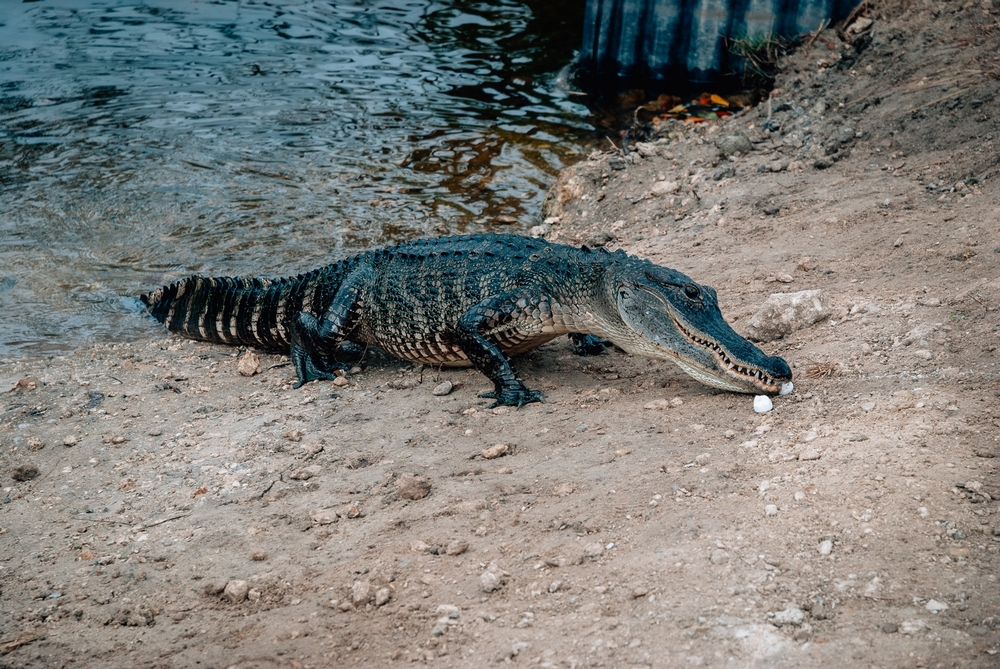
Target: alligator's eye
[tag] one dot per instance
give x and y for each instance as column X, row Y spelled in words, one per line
column 692, row 291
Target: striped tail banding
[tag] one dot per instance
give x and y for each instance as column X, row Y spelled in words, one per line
column 224, row 310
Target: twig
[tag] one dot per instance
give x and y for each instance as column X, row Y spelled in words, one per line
column 154, row 523
column 815, row 36
column 615, row 146
column 940, row 99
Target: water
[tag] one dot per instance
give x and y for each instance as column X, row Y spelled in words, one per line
column 143, row 141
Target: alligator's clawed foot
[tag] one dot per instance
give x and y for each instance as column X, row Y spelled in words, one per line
column 513, row 396
column 314, row 368
column 587, row 344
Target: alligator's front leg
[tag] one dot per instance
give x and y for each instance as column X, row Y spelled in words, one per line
column 315, row 341
column 487, row 357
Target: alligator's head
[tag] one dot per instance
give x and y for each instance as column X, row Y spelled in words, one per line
column 672, row 317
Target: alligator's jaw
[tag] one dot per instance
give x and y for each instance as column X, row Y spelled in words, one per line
column 737, row 377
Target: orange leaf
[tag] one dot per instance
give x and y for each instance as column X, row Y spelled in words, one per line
column 199, row 491
column 677, row 110
column 719, row 100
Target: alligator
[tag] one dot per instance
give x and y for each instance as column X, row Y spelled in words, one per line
column 473, row 300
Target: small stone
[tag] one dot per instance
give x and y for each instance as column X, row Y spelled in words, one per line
column 732, row 143
column 258, row 555
column 762, row 404
column 456, row 548
column 293, row 435
column 799, row 495
column 792, row 615
column 312, row 448
column 719, row 556
column 593, row 550
column 784, row 278
column 248, row 364
column 24, row 472
column 495, row 451
column 665, row 188
column 340, row 381
column 786, row 388
column 382, row 596
column 770, row 510
column 345, row 606
column 924, row 512
column 825, row 547
column 657, row 404
column 809, row 454
column 418, row 546
column 214, row 588
column 489, row 581
column 361, row 592
column 860, row 25
column 443, row 388
column 923, row 354
column 555, row 586
column 702, row 459
column 890, row 628
column 35, row 444
column 413, row 487
column 676, row 402
column 935, row 606
column 912, row 626
column 324, row 516
column 69, row 441
column 639, row 592
column 537, row 231
column 898, row 242
column 724, row 171
column 254, row 595
column 236, row 591
column 306, row 473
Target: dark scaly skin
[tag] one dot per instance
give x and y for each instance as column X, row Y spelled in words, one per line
column 473, row 299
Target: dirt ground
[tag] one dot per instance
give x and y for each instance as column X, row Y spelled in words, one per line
column 184, row 515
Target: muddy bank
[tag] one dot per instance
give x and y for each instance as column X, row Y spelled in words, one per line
column 182, row 513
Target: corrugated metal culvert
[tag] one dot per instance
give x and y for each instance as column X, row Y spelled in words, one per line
column 681, row 44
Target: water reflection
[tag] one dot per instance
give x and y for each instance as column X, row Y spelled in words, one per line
column 140, row 141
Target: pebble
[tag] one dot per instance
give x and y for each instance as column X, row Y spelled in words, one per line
column 676, row 402
column 341, row 381
column 786, row 388
column 323, row 516
column 258, row 555
column 792, row 615
column 809, row 454
column 236, row 591
column 934, row 606
column 361, row 592
column 732, row 143
column 770, row 510
column 657, row 404
column 418, row 546
column 413, row 487
column 248, row 364
column 665, row 187
column 825, row 547
column 457, row 547
column 639, row 592
column 890, row 628
column 554, row 586
column 924, row 512
column 703, row 459
column 443, row 388
column 69, row 441
column 762, row 404
column 495, row 451
column 382, row 596
column 488, row 581
column 719, row 556
column 307, row 473
column 912, row 626
column 594, row 549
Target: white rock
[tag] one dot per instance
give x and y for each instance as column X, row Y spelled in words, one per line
column 912, row 626
column 762, row 404
column 934, row 606
column 489, row 581
column 825, row 547
column 784, row 313
column 809, row 454
column 924, row 512
column 442, row 388
column 786, row 388
column 236, row 591
column 792, row 615
column 382, row 596
column 770, row 510
column 360, row 592
column 665, row 187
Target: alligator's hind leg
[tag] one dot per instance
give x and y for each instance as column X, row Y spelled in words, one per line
column 588, row 344
column 315, row 341
column 487, row 357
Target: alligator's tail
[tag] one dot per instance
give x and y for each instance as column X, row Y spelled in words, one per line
column 225, row 310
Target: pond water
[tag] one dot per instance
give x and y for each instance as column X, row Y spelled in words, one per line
column 144, row 141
